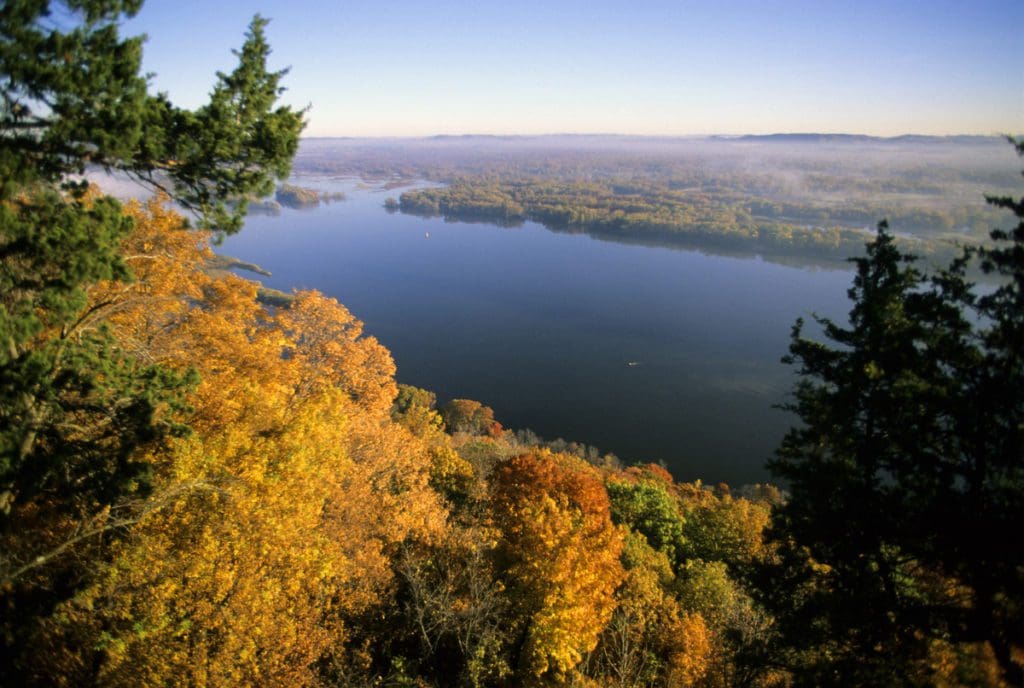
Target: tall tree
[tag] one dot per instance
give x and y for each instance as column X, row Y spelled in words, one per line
column 73, row 95
column 559, row 557
column 907, row 474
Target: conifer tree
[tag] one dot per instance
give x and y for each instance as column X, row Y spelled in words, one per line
column 73, row 98
column 906, row 475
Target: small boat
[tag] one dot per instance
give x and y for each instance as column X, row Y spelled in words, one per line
column 633, row 364
column 426, row 235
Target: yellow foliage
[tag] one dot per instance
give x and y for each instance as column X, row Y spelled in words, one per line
column 562, row 554
column 952, row 665
column 328, row 339
column 650, row 639
column 272, row 523
column 167, row 261
column 450, row 474
column 691, row 653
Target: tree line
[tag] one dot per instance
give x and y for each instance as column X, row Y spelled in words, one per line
column 697, row 215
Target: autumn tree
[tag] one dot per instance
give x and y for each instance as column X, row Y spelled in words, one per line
column 270, row 531
column 650, row 640
column 646, row 505
column 416, row 408
column 721, row 527
column 329, row 339
column 708, row 539
column 71, row 98
column 470, row 416
column 455, row 607
column 559, row 559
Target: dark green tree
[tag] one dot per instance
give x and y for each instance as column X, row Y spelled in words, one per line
column 906, row 473
column 647, row 508
column 73, row 405
column 73, row 97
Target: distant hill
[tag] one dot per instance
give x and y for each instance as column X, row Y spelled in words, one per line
column 860, row 138
column 796, row 137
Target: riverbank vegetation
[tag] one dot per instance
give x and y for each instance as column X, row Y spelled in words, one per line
column 815, row 197
column 717, row 218
column 309, row 521
column 300, row 197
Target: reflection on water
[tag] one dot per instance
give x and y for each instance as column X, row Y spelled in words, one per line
column 676, row 243
column 543, row 326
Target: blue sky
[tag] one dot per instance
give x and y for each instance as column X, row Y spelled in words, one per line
column 374, row 68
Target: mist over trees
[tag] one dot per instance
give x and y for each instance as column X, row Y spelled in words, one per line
column 812, row 196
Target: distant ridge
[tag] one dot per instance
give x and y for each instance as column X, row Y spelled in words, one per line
column 462, row 137
column 797, row 137
column 859, row 138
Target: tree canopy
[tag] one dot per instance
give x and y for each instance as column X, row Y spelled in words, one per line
column 73, row 98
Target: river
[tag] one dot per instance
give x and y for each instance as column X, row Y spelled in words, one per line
column 653, row 353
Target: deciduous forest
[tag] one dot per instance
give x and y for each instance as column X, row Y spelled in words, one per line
column 200, row 487
column 802, row 197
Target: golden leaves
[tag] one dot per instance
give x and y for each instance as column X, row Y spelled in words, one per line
column 278, row 513
column 327, row 339
column 307, row 510
column 562, row 556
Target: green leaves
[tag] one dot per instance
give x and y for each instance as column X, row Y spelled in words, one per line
column 74, row 404
column 235, row 146
column 75, row 98
column 78, row 409
column 647, row 508
column 72, row 97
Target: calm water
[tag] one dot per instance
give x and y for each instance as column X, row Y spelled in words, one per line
column 542, row 326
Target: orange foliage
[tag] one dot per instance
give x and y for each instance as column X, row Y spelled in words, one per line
column 470, row 416
column 328, row 339
column 691, row 650
column 168, row 262
column 650, row 471
column 966, row 664
column 561, row 555
column 650, row 639
column 276, row 525
column 272, row 523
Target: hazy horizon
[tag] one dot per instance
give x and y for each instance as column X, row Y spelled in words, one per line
column 615, row 134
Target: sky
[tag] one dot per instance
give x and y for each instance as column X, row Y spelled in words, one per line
column 665, row 67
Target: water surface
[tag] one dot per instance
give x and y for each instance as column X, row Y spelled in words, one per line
column 652, row 353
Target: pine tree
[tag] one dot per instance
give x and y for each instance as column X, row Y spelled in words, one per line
column 906, row 474
column 74, row 98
